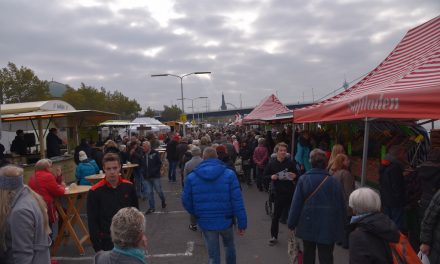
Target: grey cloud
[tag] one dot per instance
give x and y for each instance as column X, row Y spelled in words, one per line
column 320, row 42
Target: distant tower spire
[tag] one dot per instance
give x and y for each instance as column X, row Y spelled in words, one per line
column 223, row 107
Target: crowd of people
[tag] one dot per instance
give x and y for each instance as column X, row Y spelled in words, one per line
column 313, row 193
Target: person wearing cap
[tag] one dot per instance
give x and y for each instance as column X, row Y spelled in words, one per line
column 24, row 225
column 86, row 167
column 189, row 167
column 53, row 143
column 128, row 235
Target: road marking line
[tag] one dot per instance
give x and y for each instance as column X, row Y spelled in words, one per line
column 187, row 253
column 169, row 212
column 155, row 212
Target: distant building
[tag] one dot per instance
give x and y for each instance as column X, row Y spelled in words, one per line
column 223, row 107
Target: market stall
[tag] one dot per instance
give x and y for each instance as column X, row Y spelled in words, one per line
column 405, row 86
column 268, row 108
column 141, row 125
column 36, row 118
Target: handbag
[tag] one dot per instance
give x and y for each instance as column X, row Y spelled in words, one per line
column 293, row 250
column 423, row 257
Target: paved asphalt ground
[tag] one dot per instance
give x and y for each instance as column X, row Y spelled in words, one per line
column 170, row 240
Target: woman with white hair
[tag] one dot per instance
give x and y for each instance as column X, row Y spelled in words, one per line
column 44, row 183
column 24, row 228
column 128, row 235
column 371, row 230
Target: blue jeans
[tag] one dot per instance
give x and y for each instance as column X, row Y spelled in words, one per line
column 213, row 245
column 172, row 170
column 150, row 184
column 395, row 214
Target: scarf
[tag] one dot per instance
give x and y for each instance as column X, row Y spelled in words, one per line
column 136, row 253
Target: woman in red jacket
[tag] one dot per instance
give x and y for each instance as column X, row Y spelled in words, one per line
column 44, row 183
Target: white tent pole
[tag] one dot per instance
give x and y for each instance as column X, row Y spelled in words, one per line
column 365, row 152
column 41, row 138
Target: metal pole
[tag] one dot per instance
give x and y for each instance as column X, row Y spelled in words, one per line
column 365, row 152
column 192, row 106
column 183, row 105
column 181, row 94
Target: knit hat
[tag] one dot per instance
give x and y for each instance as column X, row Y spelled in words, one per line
column 82, row 155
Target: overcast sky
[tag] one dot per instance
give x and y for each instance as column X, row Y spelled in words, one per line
column 297, row 49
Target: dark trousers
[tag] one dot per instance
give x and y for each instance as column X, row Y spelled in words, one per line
column 280, row 205
column 260, row 176
column 325, row 252
column 104, row 243
column 247, row 173
column 395, row 214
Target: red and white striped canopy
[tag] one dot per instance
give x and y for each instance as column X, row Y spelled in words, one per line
column 405, row 85
column 268, row 108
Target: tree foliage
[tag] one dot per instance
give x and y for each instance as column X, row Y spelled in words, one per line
column 88, row 97
column 171, row 113
column 149, row 112
column 18, row 85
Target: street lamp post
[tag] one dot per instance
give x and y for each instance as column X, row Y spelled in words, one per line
column 181, row 88
column 192, row 102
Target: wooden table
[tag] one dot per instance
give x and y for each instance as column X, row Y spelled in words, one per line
column 127, row 170
column 71, row 217
column 93, row 179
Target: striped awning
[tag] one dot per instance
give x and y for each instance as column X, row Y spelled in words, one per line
column 406, row 85
column 268, row 108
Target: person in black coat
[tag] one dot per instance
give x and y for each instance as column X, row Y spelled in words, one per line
column 246, row 161
column 371, row 230
column 18, row 145
column 392, row 184
column 84, row 146
column 151, row 165
column 96, row 154
column 429, row 173
column 53, row 143
column 282, row 171
column 172, row 158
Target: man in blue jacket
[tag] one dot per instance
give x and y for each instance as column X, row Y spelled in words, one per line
column 212, row 194
column 317, row 213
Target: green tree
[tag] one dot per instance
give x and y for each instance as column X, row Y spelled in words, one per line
column 119, row 103
column 88, row 97
column 149, row 112
column 19, row 85
column 171, row 113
